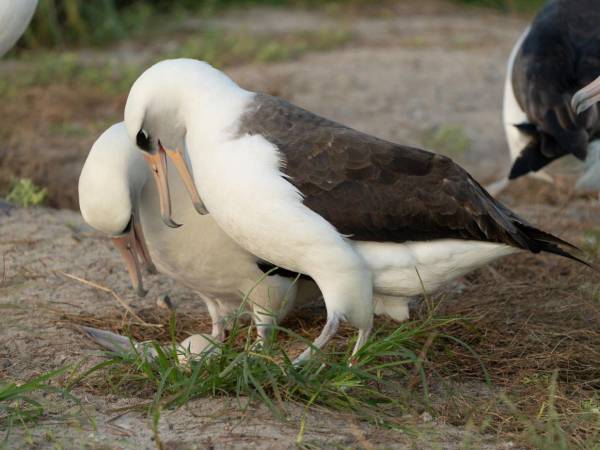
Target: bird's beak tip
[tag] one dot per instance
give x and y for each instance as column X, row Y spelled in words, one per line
column 170, row 222
column 200, row 208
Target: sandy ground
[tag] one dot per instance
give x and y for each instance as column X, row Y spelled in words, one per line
column 407, row 73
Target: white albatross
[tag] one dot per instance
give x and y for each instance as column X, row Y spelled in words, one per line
column 116, row 198
column 15, row 15
column 554, row 57
column 202, row 257
column 301, row 191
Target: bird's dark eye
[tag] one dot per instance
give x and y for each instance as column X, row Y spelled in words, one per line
column 129, row 225
column 143, row 140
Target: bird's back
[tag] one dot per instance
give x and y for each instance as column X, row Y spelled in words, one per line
column 374, row 190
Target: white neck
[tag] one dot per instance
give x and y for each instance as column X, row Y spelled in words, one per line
column 213, row 113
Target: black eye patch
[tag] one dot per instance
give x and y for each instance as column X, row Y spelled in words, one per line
column 143, row 140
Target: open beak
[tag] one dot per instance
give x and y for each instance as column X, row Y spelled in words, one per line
column 586, row 97
column 130, row 245
column 158, row 165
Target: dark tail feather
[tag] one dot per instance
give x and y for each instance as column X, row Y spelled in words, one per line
column 546, row 242
column 540, row 235
column 555, row 249
column 531, row 159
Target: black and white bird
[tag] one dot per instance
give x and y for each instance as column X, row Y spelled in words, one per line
column 117, row 197
column 555, row 56
column 15, row 15
column 301, row 191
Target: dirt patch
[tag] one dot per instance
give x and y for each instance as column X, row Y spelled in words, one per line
column 525, row 317
column 41, row 308
column 47, row 134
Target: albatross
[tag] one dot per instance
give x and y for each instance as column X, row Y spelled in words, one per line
column 116, row 198
column 15, row 15
column 302, row 192
column 555, row 56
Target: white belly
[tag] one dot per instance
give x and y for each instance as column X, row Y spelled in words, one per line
column 413, row 268
column 199, row 254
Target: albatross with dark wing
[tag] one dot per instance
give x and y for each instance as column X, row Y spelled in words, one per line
column 116, row 197
column 301, row 191
column 557, row 55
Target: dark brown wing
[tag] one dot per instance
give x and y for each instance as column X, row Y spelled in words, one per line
column 375, row 190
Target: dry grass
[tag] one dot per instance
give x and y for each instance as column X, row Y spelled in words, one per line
column 523, row 362
column 543, row 321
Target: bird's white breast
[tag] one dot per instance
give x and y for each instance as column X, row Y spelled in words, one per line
column 198, row 254
column 243, row 188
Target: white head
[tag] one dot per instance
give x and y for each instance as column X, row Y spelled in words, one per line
column 165, row 95
column 110, row 186
column 111, row 181
column 164, row 103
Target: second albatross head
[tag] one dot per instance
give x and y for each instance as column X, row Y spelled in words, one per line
column 110, row 187
column 157, row 112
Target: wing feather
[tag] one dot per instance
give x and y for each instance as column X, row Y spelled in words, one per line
column 371, row 189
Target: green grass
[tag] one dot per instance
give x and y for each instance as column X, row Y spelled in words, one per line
column 23, row 192
column 221, row 48
column 388, row 384
column 506, row 5
column 449, row 139
column 74, row 23
column 20, row 404
column 224, row 48
column 592, row 240
column 266, row 374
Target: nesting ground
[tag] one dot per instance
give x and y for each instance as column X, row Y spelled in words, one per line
column 425, row 74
